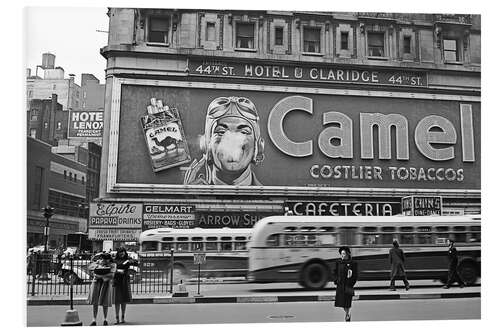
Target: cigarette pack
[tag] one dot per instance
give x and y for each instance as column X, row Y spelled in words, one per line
column 164, row 135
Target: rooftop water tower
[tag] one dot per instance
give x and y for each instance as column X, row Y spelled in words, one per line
column 48, row 60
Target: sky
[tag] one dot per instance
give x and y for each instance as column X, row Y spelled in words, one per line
column 69, row 33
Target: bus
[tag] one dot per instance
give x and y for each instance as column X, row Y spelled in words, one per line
column 225, row 249
column 303, row 249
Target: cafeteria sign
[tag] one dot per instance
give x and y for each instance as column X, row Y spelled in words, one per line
column 85, row 124
column 422, row 205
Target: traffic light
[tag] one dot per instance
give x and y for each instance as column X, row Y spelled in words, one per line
column 48, row 212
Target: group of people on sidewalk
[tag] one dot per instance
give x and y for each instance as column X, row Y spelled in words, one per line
column 111, row 285
column 345, row 273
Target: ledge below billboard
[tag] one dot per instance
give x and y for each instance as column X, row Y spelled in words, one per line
column 244, row 136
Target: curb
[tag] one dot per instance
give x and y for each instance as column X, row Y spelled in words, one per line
column 260, row 299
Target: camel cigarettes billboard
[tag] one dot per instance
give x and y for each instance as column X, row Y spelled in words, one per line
column 276, row 139
column 85, row 124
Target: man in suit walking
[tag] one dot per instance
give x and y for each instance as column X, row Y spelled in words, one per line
column 397, row 259
column 452, row 266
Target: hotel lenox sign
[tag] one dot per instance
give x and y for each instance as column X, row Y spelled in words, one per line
column 351, row 139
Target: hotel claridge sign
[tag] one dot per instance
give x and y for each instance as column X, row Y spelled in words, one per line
column 344, row 114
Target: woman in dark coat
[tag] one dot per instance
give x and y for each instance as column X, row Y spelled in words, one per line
column 345, row 276
column 121, row 283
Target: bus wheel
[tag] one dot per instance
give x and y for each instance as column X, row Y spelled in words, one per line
column 314, row 276
column 468, row 272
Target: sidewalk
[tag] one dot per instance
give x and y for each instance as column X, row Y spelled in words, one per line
column 267, row 293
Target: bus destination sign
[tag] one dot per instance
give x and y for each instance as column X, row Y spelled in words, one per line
column 327, row 74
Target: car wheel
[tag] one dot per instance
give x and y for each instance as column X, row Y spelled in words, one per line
column 314, row 276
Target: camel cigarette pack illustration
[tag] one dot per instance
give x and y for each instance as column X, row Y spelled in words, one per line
column 164, row 136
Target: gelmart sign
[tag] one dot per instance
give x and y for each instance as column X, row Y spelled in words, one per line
column 85, row 124
column 279, row 140
column 168, row 216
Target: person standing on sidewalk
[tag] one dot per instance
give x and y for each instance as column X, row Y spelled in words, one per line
column 453, row 265
column 101, row 289
column 397, row 260
column 345, row 276
column 121, row 283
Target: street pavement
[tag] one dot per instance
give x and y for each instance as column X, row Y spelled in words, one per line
column 380, row 310
column 281, row 292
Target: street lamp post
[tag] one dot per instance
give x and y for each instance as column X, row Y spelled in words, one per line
column 47, row 213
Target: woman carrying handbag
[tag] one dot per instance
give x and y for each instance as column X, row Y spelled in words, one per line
column 345, row 275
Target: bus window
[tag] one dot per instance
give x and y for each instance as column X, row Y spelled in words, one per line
column 197, row 243
column 475, row 236
column 240, row 243
column 290, row 229
column 273, row 240
column 406, row 235
column 167, row 243
column 459, row 234
column 388, row 235
column 326, row 229
column 226, row 244
column 370, row 239
column 369, row 235
column 182, row 244
column 442, row 232
column 288, row 240
column 424, row 235
column 347, row 235
column 326, row 239
column 149, row 246
column 311, row 240
column 307, row 229
column 300, row 240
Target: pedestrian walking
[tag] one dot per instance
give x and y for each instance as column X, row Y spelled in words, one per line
column 345, row 275
column 452, row 266
column 121, row 283
column 397, row 260
column 101, row 289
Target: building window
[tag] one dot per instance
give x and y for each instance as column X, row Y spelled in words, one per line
column 59, row 125
column 158, row 30
column 407, row 44
column 34, row 117
column 33, row 133
column 66, row 204
column 344, row 40
column 278, row 36
column 83, row 180
column 312, row 40
column 376, row 44
column 245, row 36
column 65, row 174
column 450, row 50
column 71, row 176
column 53, row 87
column 210, row 32
column 37, row 191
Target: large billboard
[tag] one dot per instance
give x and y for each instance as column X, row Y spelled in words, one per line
column 285, row 137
